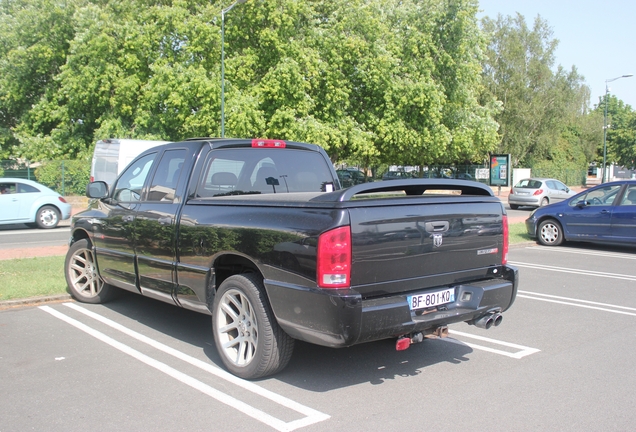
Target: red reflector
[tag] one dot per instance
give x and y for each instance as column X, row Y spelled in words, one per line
column 504, row 253
column 61, row 199
column 333, row 266
column 268, row 143
column 538, row 192
column 402, row 344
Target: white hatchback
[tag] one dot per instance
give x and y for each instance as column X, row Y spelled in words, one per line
column 538, row 192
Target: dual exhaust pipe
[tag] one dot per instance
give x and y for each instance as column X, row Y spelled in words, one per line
column 488, row 320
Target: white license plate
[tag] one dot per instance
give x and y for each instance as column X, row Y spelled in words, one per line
column 422, row 301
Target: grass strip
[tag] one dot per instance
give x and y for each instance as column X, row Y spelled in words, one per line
column 31, row 277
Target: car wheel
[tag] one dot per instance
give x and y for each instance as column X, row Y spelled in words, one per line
column 550, row 233
column 82, row 278
column 514, row 206
column 249, row 340
column 545, row 202
column 47, row 217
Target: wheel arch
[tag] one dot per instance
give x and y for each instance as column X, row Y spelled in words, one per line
column 226, row 265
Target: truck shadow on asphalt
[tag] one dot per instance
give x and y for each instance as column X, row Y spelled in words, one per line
column 312, row 367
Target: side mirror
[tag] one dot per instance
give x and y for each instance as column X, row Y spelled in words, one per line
column 98, row 190
column 582, row 204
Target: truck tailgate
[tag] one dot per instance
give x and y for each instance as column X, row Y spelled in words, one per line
column 414, row 247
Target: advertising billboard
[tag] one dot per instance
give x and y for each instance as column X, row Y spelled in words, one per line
column 500, row 170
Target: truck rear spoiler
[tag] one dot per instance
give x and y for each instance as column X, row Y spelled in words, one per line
column 409, row 187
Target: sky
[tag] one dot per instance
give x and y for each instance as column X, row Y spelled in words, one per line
column 597, row 37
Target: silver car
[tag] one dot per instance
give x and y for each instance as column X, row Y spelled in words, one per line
column 538, row 192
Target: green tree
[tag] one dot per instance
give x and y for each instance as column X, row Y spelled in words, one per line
column 621, row 132
column 544, row 110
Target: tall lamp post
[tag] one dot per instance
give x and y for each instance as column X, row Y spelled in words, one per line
column 607, row 81
column 223, row 12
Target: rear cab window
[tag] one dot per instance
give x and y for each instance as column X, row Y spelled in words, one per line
column 244, row 171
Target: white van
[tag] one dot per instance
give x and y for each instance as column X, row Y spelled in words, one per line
column 111, row 156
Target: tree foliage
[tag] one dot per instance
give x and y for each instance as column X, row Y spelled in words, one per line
column 621, row 132
column 393, row 81
column 545, row 110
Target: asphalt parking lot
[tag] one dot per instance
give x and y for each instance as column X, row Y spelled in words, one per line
column 561, row 360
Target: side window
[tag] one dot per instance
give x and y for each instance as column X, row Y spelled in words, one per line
column 552, row 185
column 7, row 188
column 130, row 183
column 25, row 188
column 560, row 186
column 600, row 197
column 630, row 196
column 164, row 183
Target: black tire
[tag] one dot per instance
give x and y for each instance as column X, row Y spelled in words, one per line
column 514, row 206
column 249, row 340
column 544, row 202
column 550, row 233
column 83, row 280
column 47, row 217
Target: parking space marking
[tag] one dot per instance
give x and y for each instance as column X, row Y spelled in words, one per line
column 574, row 271
column 577, row 302
column 523, row 350
column 582, row 252
column 311, row 416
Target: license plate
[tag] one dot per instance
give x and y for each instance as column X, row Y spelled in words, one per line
column 421, row 301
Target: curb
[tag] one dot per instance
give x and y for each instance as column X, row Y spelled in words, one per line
column 32, row 301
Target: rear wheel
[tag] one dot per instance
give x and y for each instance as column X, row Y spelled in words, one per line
column 84, row 282
column 47, row 217
column 550, row 233
column 514, row 206
column 246, row 334
column 545, row 201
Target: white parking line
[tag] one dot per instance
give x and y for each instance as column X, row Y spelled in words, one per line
column 574, row 271
column 523, row 350
column 582, row 252
column 576, row 302
column 311, row 416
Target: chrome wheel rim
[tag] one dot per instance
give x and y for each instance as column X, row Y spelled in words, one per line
column 48, row 217
column 83, row 273
column 549, row 233
column 237, row 329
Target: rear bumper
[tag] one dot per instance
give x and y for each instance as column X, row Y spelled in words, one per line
column 524, row 200
column 340, row 318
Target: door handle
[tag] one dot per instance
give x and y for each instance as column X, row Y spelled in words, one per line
column 436, row 227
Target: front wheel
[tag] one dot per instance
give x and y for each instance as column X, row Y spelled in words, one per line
column 84, row 282
column 47, row 217
column 246, row 334
column 514, row 206
column 550, row 233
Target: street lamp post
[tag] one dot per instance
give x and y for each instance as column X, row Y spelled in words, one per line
column 223, row 12
column 605, row 126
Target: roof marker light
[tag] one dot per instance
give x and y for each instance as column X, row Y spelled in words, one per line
column 268, row 143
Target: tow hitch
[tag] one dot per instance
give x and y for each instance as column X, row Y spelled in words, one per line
column 407, row 340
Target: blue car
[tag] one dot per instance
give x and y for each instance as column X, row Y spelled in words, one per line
column 602, row 214
column 28, row 202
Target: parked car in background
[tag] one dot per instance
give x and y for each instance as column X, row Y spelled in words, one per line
column 605, row 213
column 351, row 177
column 29, row 202
column 538, row 192
column 397, row 175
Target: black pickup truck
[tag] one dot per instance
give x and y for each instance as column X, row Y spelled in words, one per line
column 260, row 235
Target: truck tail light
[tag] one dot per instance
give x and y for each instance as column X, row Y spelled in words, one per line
column 333, row 269
column 268, row 143
column 538, row 192
column 504, row 255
